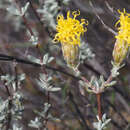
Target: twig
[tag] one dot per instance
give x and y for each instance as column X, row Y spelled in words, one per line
column 23, row 61
column 7, row 89
column 46, row 115
column 48, row 98
column 35, row 12
column 99, row 105
column 116, row 110
column 9, row 107
column 24, row 19
column 39, row 19
column 116, row 125
column 92, row 69
column 10, row 104
column 110, row 8
column 109, row 79
column 105, row 26
column 78, row 111
column 9, row 114
column 16, row 75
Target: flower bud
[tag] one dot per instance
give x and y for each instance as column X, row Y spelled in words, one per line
column 71, row 54
column 120, row 51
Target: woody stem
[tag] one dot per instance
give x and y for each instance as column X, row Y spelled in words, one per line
column 98, row 95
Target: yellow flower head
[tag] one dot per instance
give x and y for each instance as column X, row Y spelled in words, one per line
column 70, row 29
column 124, row 27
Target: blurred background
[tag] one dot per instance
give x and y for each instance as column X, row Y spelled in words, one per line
column 14, row 41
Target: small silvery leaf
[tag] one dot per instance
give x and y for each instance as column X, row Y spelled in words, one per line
column 50, row 59
column 110, row 84
column 49, row 79
column 32, row 58
column 13, row 10
column 8, row 78
column 16, row 128
column 54, row 89
column 49, row 12
column 66, row 2
column 101, row 124
column 102, row 79
column 53, row 7
column 34, row 40
column 85, row 52
column 81, row 83
column 3, row 105
column 2, row 117
column 14, row 86
column 92, row 81
column 104, row 117
column 24, row 9
column 95, row 124
column 46, row 107
column 43, row 76
column 98, row 118
column 21, row 77
column 45, row 129
column 115, row 69
column 105, row 123
column 40, row 11
column 35, row 124
column 45, row 58
column 97, row 84
column 45, row 83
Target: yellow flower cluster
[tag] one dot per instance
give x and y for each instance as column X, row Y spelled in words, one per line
column 124, row 27
column 120, row 51
column 123, row 38
column 68, row 34
column 70, row 29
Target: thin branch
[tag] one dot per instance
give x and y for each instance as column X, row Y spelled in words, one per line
column 19, row 60
column 99, row 105
column 116, row 110
column 39, row 19
column 9, row 107
column 7, row 89
column 24, row 19
column 46, row 115
column 10, row 104
column 9, row 114
column 111, row 9
column 35, row 12
column 78, row 111
column 109, row 79
column 105, row 26
column 48, row 99
column 116, row 125
column 16, row 75
column 92, row 69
